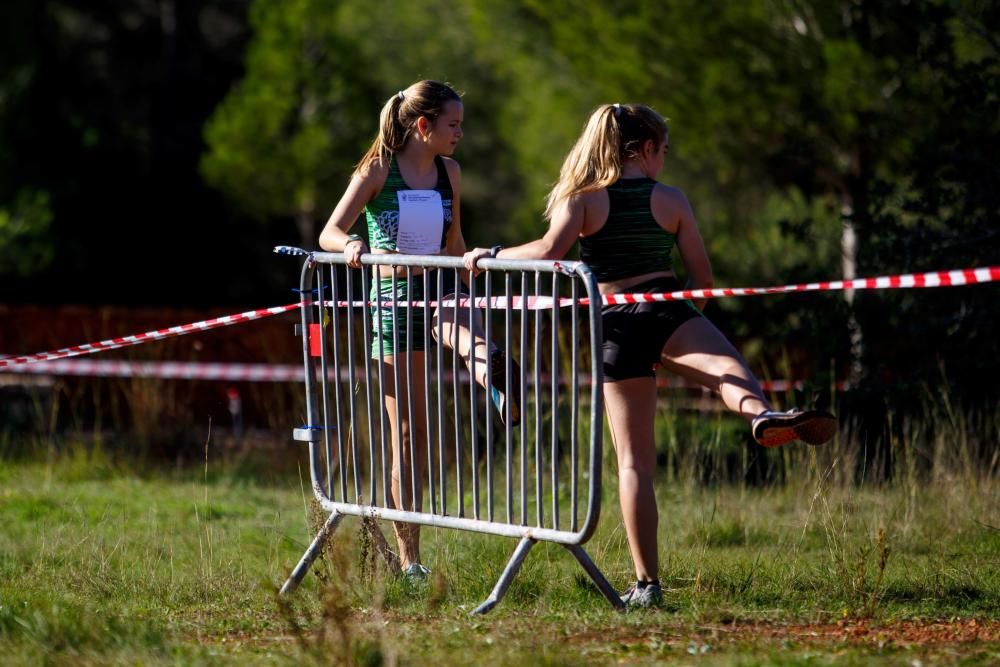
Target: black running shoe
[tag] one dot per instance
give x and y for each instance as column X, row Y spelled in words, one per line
column 773, row 429
column 498, row 370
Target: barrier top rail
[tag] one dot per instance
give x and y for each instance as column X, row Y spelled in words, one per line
column 448, row 262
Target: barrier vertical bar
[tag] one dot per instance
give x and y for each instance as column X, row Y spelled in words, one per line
column 307, row 280
column 335, row 333
column 440, row 392
column 411, row 444
column 456, row 383
column 386, row 467
column 324, row 380
column 352, row 407
column 554, row 373
column 428, row 420
column 573, row 418
column 366, row 352
column 596, row 401
column 508, row 427
column 537, row 348
column 473, row 404
column 524, row 399
column 398, row 417
column 488, row 326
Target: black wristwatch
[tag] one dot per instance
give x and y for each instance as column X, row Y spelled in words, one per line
column 353, row 237
column 495, row 250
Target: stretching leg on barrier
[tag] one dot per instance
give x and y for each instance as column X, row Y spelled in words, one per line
column 697, row 351
column 471, row 341
column 628, row 224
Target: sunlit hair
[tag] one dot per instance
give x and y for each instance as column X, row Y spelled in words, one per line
column 399, row 115
column 614, row 134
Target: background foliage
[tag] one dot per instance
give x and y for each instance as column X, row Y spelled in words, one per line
column 151, row 152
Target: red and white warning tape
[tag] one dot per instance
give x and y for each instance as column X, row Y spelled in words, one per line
column 911, row 280
column 230, row 372
column 169, row 370
column 159, row 334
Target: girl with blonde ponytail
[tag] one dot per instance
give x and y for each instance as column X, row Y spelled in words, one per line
column 628, row 224
column 410, row 159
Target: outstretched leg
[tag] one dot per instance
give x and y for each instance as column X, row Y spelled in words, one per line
column 699, row 352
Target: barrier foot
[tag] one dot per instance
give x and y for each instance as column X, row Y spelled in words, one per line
column 513, row 565
column 602, row 584
column 295, row 578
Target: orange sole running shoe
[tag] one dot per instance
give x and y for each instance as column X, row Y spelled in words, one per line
column 774, row 429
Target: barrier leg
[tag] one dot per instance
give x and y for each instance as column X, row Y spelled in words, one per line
column 602, row 584
column 295, row 578
column 508, row 575
column 381, row 546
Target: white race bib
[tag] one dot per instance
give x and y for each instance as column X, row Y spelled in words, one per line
column 421, row 222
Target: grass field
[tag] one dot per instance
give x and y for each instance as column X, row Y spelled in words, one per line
column 102, row 565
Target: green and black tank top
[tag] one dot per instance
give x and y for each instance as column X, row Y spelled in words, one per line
column 382, row 213
column 631, row 242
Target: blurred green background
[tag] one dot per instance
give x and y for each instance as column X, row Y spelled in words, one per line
column 152, row 153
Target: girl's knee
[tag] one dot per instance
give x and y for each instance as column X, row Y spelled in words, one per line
column 642, row 474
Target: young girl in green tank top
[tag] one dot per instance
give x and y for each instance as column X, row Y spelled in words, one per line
column 408, row 187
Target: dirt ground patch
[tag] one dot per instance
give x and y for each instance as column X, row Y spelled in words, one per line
column 509, row 640
column 898, row 633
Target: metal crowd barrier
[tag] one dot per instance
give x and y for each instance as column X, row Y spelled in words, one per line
column 537, row 481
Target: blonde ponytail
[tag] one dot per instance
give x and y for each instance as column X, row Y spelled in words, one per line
column 613, row 134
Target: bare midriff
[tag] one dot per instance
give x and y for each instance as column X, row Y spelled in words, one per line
column 623, row 285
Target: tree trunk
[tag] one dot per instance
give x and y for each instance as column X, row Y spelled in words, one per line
column 849, row 265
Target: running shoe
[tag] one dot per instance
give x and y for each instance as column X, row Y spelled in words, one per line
column 773, row 429
column 415, row 573
column 643, row 595
column 498, row 371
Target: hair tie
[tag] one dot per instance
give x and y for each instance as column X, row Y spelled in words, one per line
column 618, row 109
column 400, row 95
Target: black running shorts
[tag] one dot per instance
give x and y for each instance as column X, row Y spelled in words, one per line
column 634, row 334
